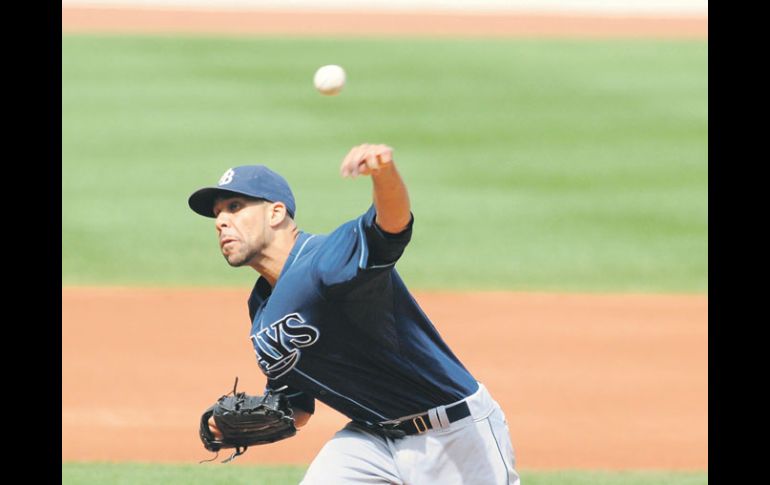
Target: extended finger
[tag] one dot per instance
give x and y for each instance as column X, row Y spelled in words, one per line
column 346, row 169
column 359, row 160
column 350, row 163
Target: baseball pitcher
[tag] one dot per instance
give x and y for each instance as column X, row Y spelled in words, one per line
column 331, row 319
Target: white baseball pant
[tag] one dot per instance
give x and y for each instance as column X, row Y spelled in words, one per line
column 473, row 450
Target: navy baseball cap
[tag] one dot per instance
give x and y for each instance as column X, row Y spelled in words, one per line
column 251, row 180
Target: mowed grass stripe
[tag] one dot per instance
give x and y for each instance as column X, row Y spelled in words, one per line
column 531, row 164
column 235, row 474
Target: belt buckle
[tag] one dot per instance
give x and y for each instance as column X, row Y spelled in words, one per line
column 419, row 419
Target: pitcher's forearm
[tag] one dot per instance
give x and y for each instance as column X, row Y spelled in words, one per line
column 391, row 199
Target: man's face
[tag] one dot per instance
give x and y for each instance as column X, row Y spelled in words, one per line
column 242, row 227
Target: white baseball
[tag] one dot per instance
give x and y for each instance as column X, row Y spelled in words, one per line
column 329, row 80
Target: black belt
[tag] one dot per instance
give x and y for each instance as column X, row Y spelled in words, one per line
column 420, row 424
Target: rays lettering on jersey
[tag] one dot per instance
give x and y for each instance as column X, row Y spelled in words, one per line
column 277, row 345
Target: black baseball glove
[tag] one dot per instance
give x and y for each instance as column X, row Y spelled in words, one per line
column 246, row 420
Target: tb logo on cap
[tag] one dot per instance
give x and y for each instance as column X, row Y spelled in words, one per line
column 227, row 177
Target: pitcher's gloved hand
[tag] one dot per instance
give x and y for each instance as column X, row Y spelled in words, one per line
column 245, row 420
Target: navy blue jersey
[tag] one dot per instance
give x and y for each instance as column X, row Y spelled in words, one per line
column 340, row 326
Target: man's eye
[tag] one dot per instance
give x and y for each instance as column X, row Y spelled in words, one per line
column 233, row 206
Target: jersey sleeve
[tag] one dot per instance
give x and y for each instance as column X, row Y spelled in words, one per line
column 358, row 250
column 297, row 399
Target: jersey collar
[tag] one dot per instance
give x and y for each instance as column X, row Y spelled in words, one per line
column 299, row 245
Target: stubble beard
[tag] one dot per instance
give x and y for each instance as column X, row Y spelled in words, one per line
column 241, row 258
column 244, row 255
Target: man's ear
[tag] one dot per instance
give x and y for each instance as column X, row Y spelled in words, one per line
column 277, row 213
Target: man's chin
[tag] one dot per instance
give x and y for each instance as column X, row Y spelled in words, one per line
column 235, row 262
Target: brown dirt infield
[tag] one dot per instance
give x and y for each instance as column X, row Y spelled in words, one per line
column 360, row 23
column 586, row 381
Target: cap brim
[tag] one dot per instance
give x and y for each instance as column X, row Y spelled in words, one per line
column 202, row 201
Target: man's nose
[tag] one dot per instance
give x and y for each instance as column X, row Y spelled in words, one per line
column 222, row 220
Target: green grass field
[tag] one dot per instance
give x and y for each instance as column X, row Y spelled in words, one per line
column 532, row 164
column 208, row 474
